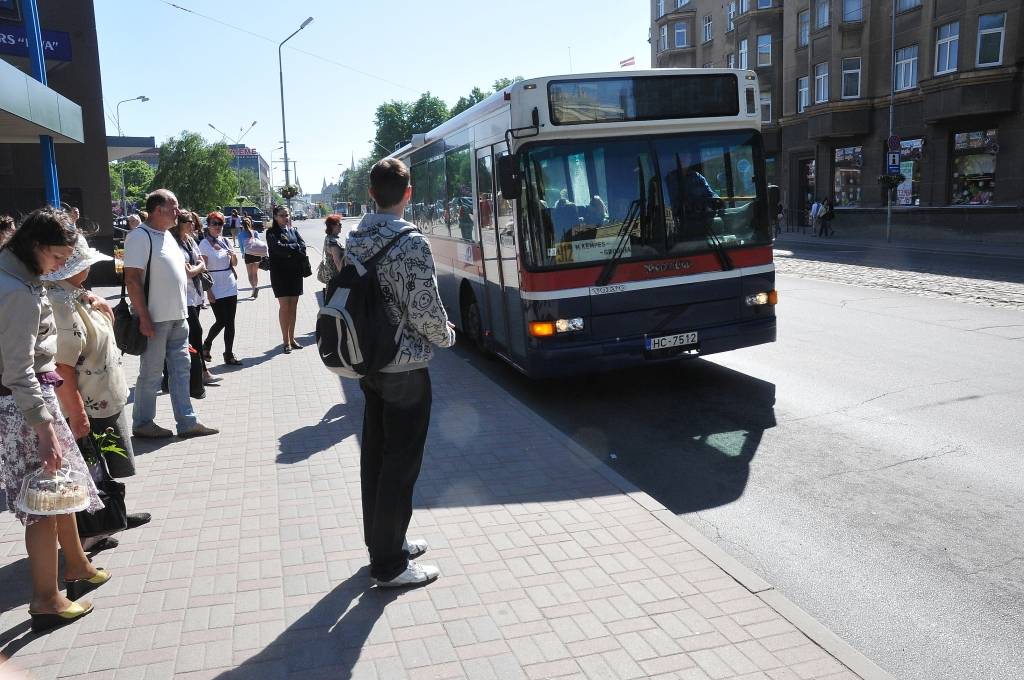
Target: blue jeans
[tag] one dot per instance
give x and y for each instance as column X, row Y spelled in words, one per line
column 170, row 344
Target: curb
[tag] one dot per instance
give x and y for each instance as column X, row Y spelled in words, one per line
column 967, row 249
column 841, row 650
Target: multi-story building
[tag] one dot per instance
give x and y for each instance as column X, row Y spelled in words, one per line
column 246, row 158
column 952, row 73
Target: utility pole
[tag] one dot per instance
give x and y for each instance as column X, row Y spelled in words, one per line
column 284, row 129
column 892, row 96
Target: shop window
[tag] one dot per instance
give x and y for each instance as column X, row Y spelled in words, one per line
column 847, row 171
column 974, row 167
column 909, row 191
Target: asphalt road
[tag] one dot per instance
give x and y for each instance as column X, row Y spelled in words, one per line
column 866, row 464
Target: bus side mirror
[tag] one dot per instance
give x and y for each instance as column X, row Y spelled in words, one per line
column 509, row 178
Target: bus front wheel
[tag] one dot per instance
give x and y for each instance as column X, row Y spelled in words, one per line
column 472, row 324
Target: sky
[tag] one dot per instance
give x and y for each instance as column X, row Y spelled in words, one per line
column 218, row 63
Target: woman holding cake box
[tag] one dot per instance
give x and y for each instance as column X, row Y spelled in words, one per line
column 33, row 433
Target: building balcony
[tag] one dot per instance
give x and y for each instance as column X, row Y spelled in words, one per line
column 970, row 93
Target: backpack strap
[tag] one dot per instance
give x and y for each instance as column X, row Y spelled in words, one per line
column 361, row 267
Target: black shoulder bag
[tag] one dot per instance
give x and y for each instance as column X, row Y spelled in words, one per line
column 127, row 334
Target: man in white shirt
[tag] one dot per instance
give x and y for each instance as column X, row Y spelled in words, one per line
column 151, row 252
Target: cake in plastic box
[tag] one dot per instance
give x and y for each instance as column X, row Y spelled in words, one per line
column 45, row 493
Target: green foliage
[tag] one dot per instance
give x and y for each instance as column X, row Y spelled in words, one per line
column 249, row 185
column 502, row 83
column 475, row 95
column 289, row 191
column 198, row 173
column 138, row 180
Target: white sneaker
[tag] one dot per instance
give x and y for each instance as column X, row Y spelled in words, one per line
column 414, row 575
column 415, row 547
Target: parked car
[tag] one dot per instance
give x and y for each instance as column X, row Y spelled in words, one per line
column 258, row 217
column 299, row 215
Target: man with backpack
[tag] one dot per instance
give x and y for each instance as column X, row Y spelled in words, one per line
column 398, row 395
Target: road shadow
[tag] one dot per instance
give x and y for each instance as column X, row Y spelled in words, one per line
column 684, row 433
column 329, row 637
column 335, row 426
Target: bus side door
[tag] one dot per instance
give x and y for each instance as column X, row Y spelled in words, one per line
column 495, row 317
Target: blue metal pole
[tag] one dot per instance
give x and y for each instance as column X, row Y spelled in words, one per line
column 34, row 42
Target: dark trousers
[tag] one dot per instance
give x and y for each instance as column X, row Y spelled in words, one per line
column 224, row 313
column 394, row 432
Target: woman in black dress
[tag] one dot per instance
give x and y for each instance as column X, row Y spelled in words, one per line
column 287, row 264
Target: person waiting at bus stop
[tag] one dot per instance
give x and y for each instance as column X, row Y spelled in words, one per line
column 398, row 398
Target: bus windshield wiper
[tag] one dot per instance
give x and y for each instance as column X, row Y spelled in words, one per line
column 635, row 212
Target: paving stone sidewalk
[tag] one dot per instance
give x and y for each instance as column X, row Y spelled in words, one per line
column 254, row 564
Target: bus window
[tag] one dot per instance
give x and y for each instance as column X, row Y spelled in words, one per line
column 485, row 195
column 435, row 197
column 506, row 233
column 459, row 206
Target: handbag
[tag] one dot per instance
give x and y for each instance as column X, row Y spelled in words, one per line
column 206, row 281
column 256, row 247
column 113, row 517
column 304, row 267
column 127, row 333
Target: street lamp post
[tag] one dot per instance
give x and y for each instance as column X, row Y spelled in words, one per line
column 238, row 165
column 280, row 74
column 380, row 146
column 117, row 121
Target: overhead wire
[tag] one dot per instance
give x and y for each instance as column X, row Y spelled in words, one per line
column 294, row 49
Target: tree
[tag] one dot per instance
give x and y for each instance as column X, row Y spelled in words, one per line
column 475, row 95
column 392, row 121
column 502, row 83
column 138, row 180
column 249, row 185
column 198, row 173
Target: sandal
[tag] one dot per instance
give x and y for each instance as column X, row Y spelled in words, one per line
column 44, row 622
column 79, row 587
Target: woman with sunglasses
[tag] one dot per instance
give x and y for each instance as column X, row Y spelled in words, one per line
column 287, row 261
column 221, row 261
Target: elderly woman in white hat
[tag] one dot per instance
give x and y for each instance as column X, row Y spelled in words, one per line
column 94, row 392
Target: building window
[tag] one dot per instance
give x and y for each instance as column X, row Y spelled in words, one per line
column 764, row 50
column 908, row 192
column 708, row 32
column 764, row 4
column 731, row 15
column 906, row 68
column 730, row 60
column 821, row 82
column 847, row 176
column 663, row 38
column 766, row 107
column 682, row 3
column 681, row 34
column 851, row 78
column 659, row 10
column 821, row 9
column 743, row 53
column 802, row 94
column 904, row 5
column 974, row 167
column 853, row 10
column 947, row 44
column 803, row 20
column 990, row 39
column 744, row 6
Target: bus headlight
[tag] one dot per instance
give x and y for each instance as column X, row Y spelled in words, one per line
column 770, row 297
column 545, row 329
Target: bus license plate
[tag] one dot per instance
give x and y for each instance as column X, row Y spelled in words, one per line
column 670, row 341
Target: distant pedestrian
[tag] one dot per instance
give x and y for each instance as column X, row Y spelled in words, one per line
column 815, row 212
column 334, row 251
column 287, row 262
column 780, row 218
column 150, row 253
column 231, row 225
column 398, row 398
column 825, row 217
column 221, row 261
column 252, row 262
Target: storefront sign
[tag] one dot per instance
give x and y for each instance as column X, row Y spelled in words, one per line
column 56, row 44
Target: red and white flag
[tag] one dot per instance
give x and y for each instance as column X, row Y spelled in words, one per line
column 627, row 62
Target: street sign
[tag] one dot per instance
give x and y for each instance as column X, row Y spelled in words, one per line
column 892, row 159
column 894, row 142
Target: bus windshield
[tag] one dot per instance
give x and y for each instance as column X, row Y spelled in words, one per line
column 630, row 199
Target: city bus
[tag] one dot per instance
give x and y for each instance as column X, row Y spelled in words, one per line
column 583, row 223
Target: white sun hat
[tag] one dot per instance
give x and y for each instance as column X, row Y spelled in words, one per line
column 83, row 256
